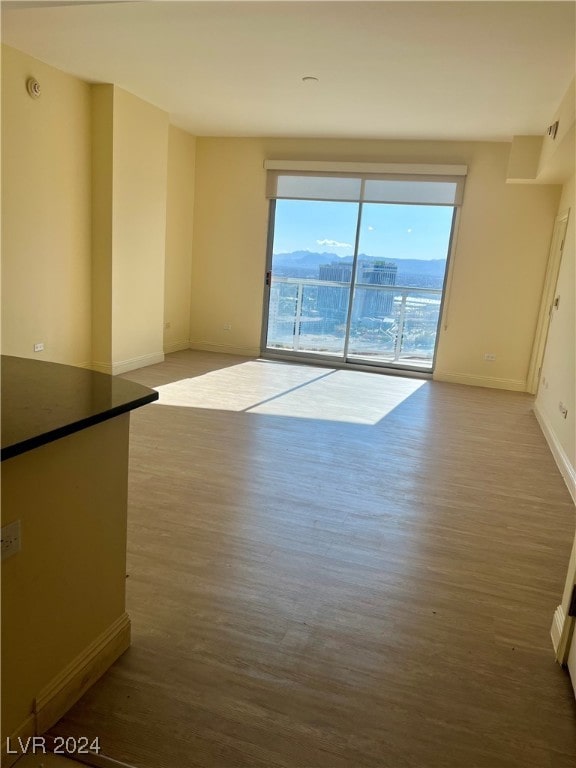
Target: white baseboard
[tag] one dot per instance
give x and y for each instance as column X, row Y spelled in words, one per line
column 566, row 469
column 561, row 634
column 557, row 628
column 516, row 385
column 176, row 346
column 82, row 672
column 123, row 366
column 67, row 687
column 25, row 731
column 63, row 692
column 226, row 349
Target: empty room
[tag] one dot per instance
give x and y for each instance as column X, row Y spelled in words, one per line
column 288, row 384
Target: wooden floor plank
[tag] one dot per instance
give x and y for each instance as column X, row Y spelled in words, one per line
column 335, row 569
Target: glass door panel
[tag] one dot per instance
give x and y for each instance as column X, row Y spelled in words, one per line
column 397, row 293
column 310, row 276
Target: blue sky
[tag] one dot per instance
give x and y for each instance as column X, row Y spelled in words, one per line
column 389, row 231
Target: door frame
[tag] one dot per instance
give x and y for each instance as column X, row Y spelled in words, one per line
column 343, row 361
column 547, row 300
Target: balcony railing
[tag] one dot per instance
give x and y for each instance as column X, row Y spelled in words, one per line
column 388, row 323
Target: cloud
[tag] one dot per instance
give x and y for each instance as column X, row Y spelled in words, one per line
column 334, row 243
column 370, row 229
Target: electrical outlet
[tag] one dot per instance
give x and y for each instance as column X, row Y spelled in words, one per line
column 489, row 357
column 227, row 327
column 563, row 410
column 167, row 325
column 10, row 539
column 39, row 347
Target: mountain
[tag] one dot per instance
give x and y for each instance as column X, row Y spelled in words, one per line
column 310, row 261
column 307, row 259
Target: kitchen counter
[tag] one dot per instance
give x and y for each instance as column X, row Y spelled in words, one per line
column 64, row 493
column 43, row 401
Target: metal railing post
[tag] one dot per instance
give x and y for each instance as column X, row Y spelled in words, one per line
column 400, row 333
column 413, row 301
column 297, row 321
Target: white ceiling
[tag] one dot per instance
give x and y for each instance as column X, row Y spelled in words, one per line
column 416, row 70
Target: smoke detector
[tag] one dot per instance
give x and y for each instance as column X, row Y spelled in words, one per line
column 33, row 87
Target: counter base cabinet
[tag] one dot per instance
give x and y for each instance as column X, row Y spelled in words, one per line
column 63, row 595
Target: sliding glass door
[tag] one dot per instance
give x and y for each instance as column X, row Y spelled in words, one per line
column 310, row 290
column 358, row 281
column 397, row 296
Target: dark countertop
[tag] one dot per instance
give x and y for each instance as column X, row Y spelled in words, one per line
column 42, row 401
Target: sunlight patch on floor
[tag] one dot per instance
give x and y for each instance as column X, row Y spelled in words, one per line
column 239, row 387
column 351, row 396
column 296, row 391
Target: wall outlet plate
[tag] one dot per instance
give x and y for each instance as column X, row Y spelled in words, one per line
column 39, row 347
column 10, row 540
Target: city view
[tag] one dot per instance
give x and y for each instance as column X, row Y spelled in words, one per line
column 394, row 312
column 391, row 308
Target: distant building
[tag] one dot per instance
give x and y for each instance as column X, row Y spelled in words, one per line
column 337, row 273
column 377, row 303
column 332, row 301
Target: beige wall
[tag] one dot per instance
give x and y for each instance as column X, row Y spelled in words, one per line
column 143, row 281
column 84, row 235
column 46, row 225
column 557, row 155
column 140, row 152
column 498, row 269
column 228, row 256
column 497, row 275
column 102, row 207
column 142, row 231
column 179, row 229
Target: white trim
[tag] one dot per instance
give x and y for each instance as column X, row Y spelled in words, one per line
column 566, row 469
column 82, row 672
column 561, row 633
column 557, row 628
column 123, row 366
column 66, row 688
column 328, row 166
column 546, row 299
column 205, row 346
column 346, row 365
column 176, row 346
column 516, row 385
column 450, row 267
column 571, row 661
